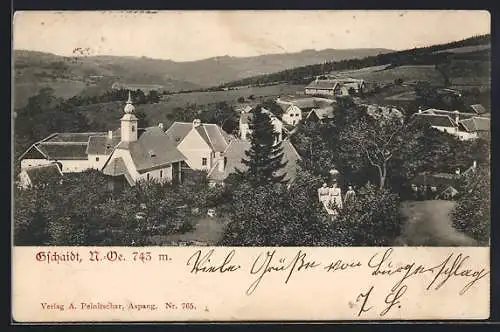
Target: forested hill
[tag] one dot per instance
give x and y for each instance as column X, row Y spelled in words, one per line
column 476, row 49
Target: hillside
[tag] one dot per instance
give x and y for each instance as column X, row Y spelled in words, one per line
column 468, row 58
column 70, row 76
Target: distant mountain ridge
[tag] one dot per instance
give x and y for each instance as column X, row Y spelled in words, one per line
column 199, row 73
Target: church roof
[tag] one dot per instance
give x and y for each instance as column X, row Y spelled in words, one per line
column 153, row 149
column 102, row 145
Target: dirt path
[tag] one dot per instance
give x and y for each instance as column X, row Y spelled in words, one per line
column 429, row 224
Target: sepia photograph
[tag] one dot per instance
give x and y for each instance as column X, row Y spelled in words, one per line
column 251, row 128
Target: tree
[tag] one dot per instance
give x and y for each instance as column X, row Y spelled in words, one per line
column 472, row 215
column 241, row 99
column 375, row 219
column 277, row 215
column 264, row 158
column 426, row 95
column 139, row 97
column 273, row 107
column 373, row 140
column 153, row 97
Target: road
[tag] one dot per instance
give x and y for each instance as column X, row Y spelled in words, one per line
column 429, row 224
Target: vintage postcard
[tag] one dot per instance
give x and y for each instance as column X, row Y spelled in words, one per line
column 251, row 165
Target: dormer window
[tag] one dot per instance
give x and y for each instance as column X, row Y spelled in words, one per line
column 152, row 154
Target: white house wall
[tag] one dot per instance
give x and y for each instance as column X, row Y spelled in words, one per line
column 166, row 172
column 97, row 161
column 25, row 163
column 74, row 166
column 195, row 148
column 292, row 116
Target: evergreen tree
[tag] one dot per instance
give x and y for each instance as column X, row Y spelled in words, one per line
column 264, row 159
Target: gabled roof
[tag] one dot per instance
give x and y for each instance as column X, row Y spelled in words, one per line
column 449, row 113
column 236, row 152
column 322, row 113
column 476, row 124
column 478, row 108
column 63, row 150
column 42, row 174
column 102, row 145
column 152, row 149
column 211, row 133
column 117, row 167
column 435, row 120
column 323, row 84
column 63, row 146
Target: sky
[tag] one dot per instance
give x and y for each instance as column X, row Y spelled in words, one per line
column 194, row 35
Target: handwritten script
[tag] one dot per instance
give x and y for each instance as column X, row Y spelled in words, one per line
column 382, row 265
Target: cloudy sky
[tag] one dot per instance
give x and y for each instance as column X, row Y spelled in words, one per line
column 193, row 35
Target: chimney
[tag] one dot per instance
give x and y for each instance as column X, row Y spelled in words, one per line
column 196, row 123
column 110, row 134
column 474, row 164
column 457, row 117
column 160, row 125
column 420, row 109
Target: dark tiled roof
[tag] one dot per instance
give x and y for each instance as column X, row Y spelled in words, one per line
column 102, row 145
column 43, row 174
column 64, row 150
column 178, row 130
column 476, row 124
column 72, row 137
column 435, row 120
column 236, row 152
column 216, row 136
column 478, row 108
column 322, row 84
column 153, row 148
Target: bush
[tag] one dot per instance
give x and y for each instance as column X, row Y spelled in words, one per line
column 374, row 219
column 472, row 212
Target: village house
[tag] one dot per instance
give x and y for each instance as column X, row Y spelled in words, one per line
column 297, row 109
column 335, row 87
column 146, row 88
column 201, row 143
column 465, row 126
column 71, row 151
column 246, row 118
column 235, row 152
column 439, row 185
column 39, row 176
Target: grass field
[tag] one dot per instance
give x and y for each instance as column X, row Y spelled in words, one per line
column 107, row 115
column 406, row 73
column 466, row 49
column 64, row 89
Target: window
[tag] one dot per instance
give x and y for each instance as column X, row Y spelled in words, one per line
column 96, row 158
column 147, row 176
column 133, row 128
column 161, row 174
column 203, row 161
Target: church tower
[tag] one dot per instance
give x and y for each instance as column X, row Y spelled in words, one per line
column 129, row 122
